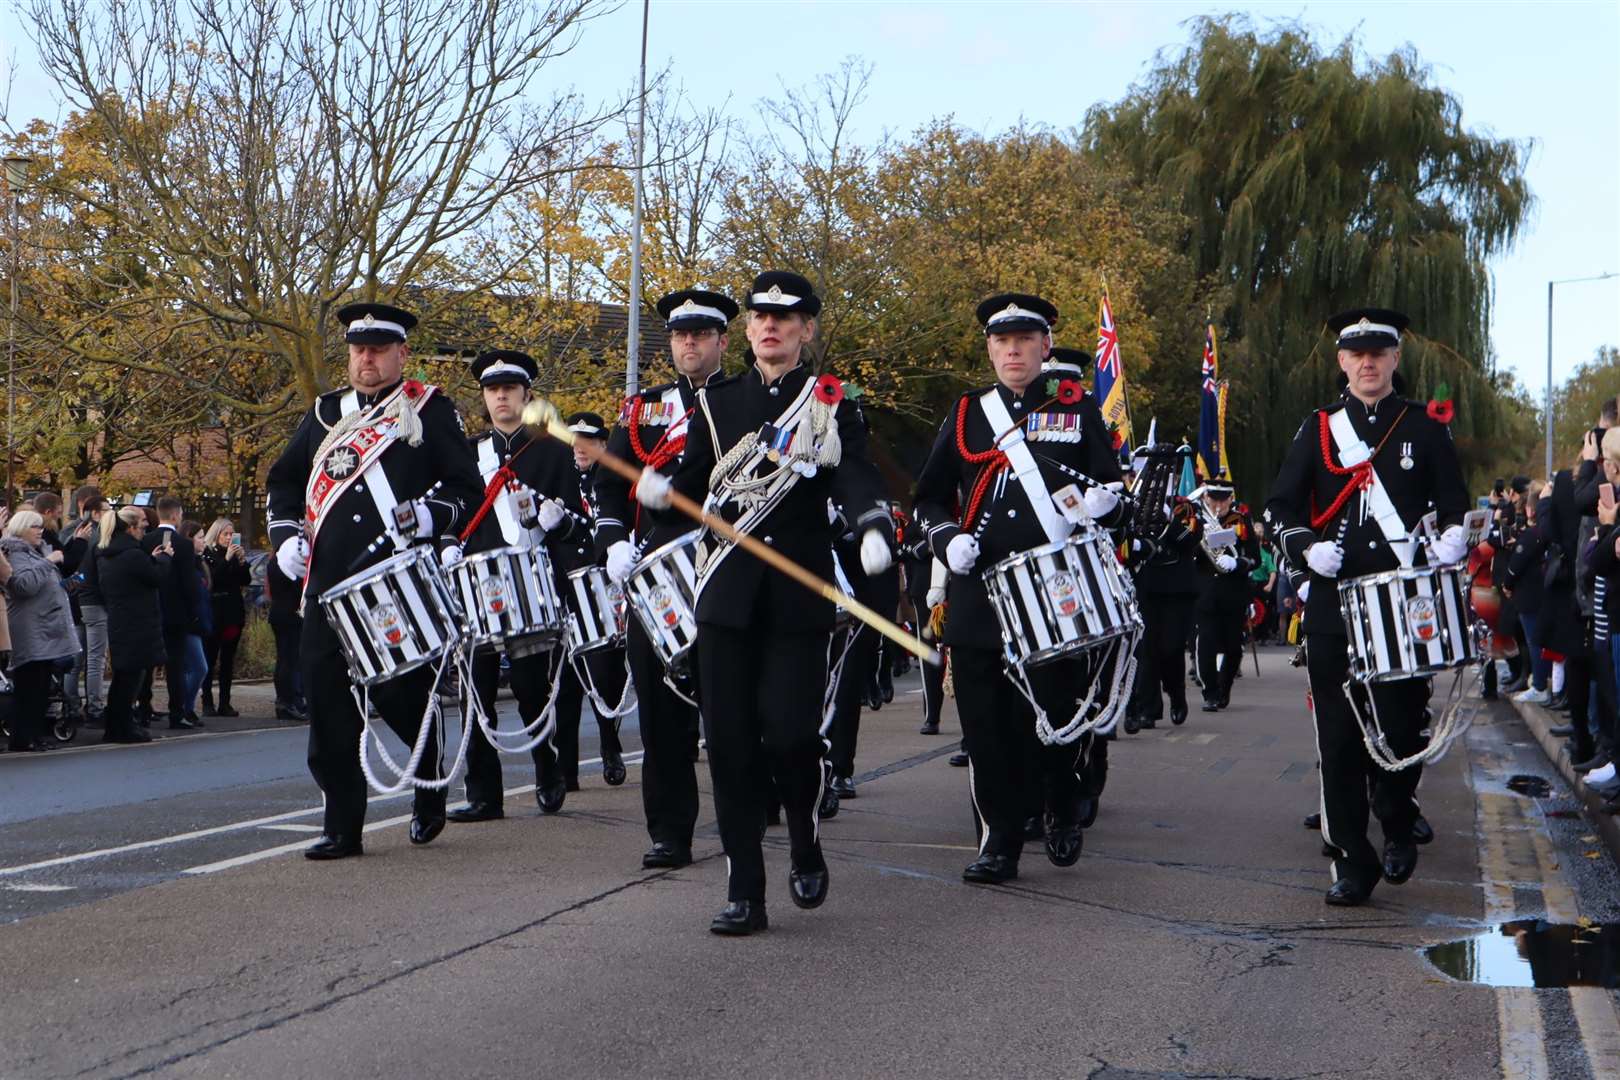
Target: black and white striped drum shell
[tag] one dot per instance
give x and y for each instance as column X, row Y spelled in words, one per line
column 394, row 617
column 595, row 611
column 1063, row 598
column 662, row 589
column 508, row 594
column 1407, row 624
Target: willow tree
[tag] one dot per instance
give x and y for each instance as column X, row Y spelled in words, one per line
column 1316, row 180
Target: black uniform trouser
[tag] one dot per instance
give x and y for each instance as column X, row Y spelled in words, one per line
column 608, row 675
column 288, row 630
column 1220, row 651
column 998, row 731
column 1166, row 618
column 669, row 791
column 531, row 684
column 762, row 693
column 860, row 665
column 1352, row 783
column 335, row 725
column 933, row 691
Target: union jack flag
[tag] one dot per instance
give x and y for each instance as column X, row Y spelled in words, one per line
column 1111, row 373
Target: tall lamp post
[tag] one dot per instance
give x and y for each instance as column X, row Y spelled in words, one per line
column 1550, row 284
column 16, row 173
column 632, row 362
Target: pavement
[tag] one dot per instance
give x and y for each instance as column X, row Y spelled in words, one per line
column 160, row 923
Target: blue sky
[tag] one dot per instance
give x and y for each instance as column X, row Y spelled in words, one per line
column 1547, row 71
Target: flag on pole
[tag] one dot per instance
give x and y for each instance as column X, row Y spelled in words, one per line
column 1189, row 481
column 1111, row 374
column 1211, row 454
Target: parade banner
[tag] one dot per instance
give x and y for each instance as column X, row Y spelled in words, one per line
column 1111, row 374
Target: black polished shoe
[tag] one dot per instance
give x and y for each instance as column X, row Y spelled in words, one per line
column 930, row 727
column 1133, row 723
column 334, row 847
column 1064, row 842
column 958, row 760
column 1313, row 821
column 550, row 786
column 1088, row 811
column 845, row 786
column 740, row 918
column 666, row 856
column 1399, row 862
column 1347, row 892
column 828, row 807
column 991, row 870
column 1033, row 829
column 477, row 811
column 808, row 888
column 1422, row 831
column 424, row 827
column 613, row 771
column 1148, row 723
column 1178, row 715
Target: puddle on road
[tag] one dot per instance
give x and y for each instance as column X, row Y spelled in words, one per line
column 1533, row 786
column 1531, row 952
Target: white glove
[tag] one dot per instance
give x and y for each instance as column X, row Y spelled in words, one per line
column 293, row 557
column 1324, row 558
column 875, row 554
column 935, row 597
column 1100, row 500
column 832, row 513
column 961, row 553
column 1452, row 547
column 1225, row 563
column 451, row 555
column 551, row 514
column 621, row 559
column 652, row 490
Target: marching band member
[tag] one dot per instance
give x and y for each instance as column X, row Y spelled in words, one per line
column 605, row 668
column 1360, row 475
column 1223, row 597
column 511, row 457
column 1000, row 454
column 652, row 432
column 1167, row 583
column 362, row 460
column 863, row 653
column 768, row 449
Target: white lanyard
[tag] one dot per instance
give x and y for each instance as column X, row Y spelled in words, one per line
column 1024, row 468
column 488, row 464
column 1352, row 451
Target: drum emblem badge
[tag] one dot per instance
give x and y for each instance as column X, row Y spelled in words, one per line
column 1065, row 596
column 387, row 625
column 1420, row 617
column 493, row 592
column 663, row 605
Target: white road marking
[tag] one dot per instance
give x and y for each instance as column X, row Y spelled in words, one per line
column 27, row 887
column 295, row 826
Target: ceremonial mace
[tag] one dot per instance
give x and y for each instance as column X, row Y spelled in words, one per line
column 542, row 414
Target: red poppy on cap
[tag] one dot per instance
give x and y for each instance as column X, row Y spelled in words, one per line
column 829, row 391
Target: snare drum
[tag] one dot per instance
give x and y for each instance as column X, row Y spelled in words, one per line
column 662, row 590
column 508, row 595
column 1407, row 624
column 595, row 611
column 394, row 617
column 1061, row 599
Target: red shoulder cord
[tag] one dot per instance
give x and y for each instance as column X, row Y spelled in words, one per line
column 993, row 460
column 664, row 450
column 504, row 478
column 1361, row 476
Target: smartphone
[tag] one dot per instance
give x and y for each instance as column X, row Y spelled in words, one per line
column 236, row 539
column 1606, row 494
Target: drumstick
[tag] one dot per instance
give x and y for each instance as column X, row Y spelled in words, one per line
column 377, row 544
column 543, row 414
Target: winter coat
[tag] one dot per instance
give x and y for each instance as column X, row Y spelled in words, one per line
column 37, row 606
column 227, row 578
column 130, row 580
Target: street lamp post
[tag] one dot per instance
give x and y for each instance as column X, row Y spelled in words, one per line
column 1550, row 284
column 632, row 362
column 16, row 172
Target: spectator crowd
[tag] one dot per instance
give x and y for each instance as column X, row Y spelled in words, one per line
column 96, row 608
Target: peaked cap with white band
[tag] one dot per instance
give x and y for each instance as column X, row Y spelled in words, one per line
column 374, row 324
column 495, row 366
column 1007, row 313
column 588, row 424
column 1368, row 328
column 1066, row 361
column 783, row 290
column 697, row 309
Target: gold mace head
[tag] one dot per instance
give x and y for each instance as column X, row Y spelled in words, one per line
column 540, row 413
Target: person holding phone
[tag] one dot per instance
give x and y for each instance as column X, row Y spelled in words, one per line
column 228, row 575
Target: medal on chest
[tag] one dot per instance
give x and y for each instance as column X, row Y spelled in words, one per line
column 1406, row 456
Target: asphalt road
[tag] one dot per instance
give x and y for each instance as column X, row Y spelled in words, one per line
column 161, row 925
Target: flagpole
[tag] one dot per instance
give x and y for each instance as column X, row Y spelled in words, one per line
column 632, row 359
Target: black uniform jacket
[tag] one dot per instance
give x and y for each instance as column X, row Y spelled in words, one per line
column 1229, row 592
column 573, row 543
column 1417, row 465
column 545, row 466
column 353, row 522
column 1172, row 568
column 743, row 592
column 658, row 410
column 946, row 483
